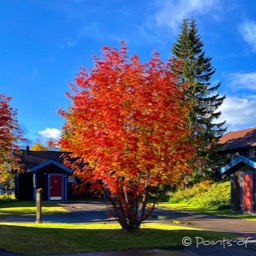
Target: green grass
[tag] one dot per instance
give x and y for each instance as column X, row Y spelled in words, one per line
column 46, row 238
column 205, row 197
column 67, row 238
column 23, row 208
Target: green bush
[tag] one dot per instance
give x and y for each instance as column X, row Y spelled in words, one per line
column 204, row 194
column 184, row 195
column 7, row 197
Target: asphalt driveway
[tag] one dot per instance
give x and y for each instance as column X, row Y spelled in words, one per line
column 192, row 251
column 96, row 211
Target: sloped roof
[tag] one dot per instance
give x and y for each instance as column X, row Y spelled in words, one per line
column 32, row 159
column 239, row 139
column 239, row 160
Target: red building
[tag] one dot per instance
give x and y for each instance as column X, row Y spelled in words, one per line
column 240, row 147
column 46, row 170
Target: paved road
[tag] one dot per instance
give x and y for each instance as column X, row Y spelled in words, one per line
column 96, row 212
column 192, row 251
column 78, row 213
column 239, row 227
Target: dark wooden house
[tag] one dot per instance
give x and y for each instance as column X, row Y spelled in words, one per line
column 240, row 146
column 46, row 170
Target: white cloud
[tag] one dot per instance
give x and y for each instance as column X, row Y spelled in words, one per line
column 239, row 112
column 248, row 32
column 171, row 13
column 242, row 80
column 50, row 133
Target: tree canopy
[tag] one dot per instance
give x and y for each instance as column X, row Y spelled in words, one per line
column 196, row 71
column 9, row 137
column 38, row 147
column 127, row 128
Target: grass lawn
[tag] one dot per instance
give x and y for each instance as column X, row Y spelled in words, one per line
column 65, row 238
column 51, row 238
column 198, row 209
column 22, row 208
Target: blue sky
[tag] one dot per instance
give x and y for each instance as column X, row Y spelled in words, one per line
column 43, row 44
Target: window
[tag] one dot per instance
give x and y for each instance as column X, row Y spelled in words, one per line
column 252, row 152
column 71, row 178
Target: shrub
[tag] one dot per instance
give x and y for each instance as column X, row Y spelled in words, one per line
column 204, row 194
column 184, row 195
column 7, row 197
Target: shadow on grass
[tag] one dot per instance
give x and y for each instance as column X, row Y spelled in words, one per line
column 78, row 238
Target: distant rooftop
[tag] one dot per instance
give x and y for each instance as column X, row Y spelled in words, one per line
column 239, row 139
column 31, row 159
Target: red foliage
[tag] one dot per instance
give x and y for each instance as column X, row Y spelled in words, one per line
column 9, row 135
column 128, row 122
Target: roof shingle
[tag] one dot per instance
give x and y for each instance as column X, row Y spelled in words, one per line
column 35, row 158
column 239, row 139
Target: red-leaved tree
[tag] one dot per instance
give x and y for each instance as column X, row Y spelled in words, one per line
column 9, row 137
column 127, row 128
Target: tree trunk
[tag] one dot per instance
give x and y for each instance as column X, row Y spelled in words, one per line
column 129, row 210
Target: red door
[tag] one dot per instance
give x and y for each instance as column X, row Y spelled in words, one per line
column 55, row 187
column 247, row 192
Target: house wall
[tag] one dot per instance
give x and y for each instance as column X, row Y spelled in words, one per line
column 247, row 152
column 236, row 187
column 24, row 186
column 42, row 178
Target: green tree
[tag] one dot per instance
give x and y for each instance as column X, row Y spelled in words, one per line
column 195, row 70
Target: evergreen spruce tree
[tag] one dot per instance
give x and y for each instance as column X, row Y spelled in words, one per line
column 196, row 71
